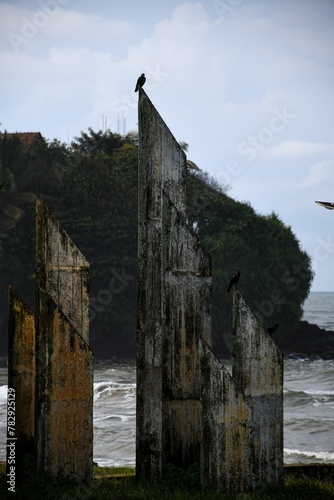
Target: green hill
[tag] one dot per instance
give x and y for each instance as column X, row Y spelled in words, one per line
column 91, row 186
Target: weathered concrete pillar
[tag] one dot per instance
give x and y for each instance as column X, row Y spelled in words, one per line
column 62, row 270
column 64, row 368
column 226, row 428
column 258, row 372
column 242, row 415
column 64, row 426
column 179, row 379
column 186, row 313
column 174, row 308
column 21, row 377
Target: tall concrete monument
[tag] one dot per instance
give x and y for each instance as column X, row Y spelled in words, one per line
column 174, row 304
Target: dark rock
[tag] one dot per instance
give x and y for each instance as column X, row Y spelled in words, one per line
column 3, row 362
column 308, row 341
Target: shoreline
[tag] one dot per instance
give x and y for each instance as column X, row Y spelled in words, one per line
column 316, row 470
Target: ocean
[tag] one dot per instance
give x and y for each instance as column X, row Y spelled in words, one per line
column 308, row 403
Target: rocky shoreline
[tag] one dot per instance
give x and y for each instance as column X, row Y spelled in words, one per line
column 307, row 341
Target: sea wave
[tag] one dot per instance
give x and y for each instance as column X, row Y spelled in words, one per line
column 120, row 418
column 3, row 393
column 297, row 398
column 113, row 385
column 308, row 413
column 309, row 423
column 105, row 462
column 299, row 455
column 307, row 392
column 108, row 389
column 320, row 393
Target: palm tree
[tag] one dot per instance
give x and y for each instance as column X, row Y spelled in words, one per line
column 190, row 164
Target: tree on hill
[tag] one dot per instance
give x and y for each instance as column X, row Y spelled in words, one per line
column 12, row 199
column 276, row 274
column 91, row 186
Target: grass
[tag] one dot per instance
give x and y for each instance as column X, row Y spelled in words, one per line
column 111, row 483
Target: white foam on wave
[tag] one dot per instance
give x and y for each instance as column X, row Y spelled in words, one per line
column 109, row 387
column 107, row 462
column 307, row 392
column 113, row 385
column 122, row 418
column 327, row 456
column 3, row 393
column 320, row 393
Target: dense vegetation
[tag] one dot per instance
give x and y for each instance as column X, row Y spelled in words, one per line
column 91, row 186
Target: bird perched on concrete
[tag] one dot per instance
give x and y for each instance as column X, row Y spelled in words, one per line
column 272, row 329
column 234, row 280
column 140, row 82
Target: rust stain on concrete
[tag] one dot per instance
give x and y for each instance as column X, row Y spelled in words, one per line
column 65, row 404
column 21, row 373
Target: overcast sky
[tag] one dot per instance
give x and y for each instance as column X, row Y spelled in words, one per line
column 248, row 84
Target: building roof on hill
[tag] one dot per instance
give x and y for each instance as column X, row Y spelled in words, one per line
column 27, row 138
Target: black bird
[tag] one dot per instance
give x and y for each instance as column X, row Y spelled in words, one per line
column 234, row 280
column 140, row 82
column 272, row 329
column 326, row 204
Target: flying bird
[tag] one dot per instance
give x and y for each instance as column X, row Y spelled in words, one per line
column 272, row 329
column 326, row 204
column 140, row 82
column 234, row 280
